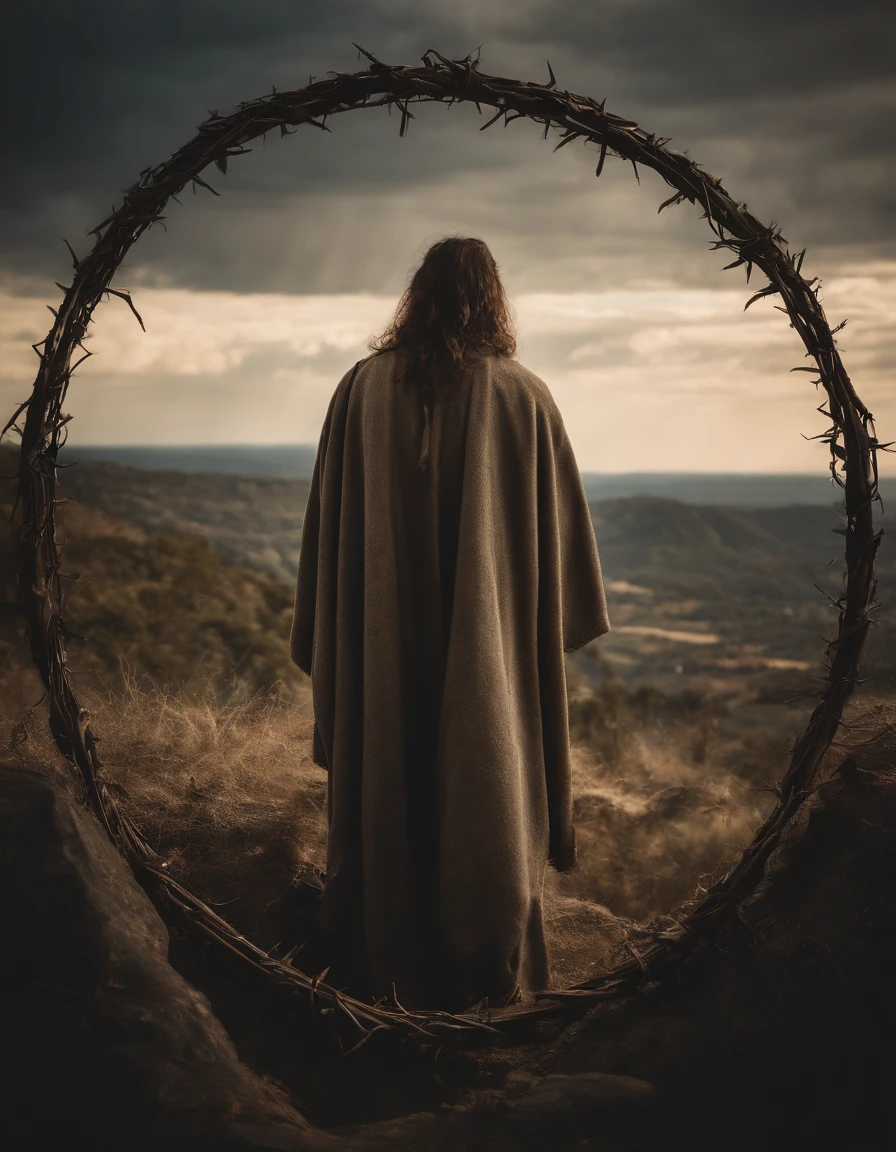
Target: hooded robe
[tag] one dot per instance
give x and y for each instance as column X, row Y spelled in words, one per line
column 447, row 562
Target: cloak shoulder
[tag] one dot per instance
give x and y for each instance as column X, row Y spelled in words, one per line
column 323, row 480
column 565, row 529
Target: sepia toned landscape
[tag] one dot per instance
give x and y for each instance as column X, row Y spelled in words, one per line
column 681, row 718
column 677, row 217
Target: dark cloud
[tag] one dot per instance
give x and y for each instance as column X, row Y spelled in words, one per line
column 791, row 103
column 698, row 50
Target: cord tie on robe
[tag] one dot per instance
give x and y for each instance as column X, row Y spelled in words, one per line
column 424, row 442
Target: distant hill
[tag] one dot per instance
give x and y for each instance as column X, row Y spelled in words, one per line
column 715, row 550
column 256, row 522
column 295, row 462
column 745, row 490
column 153, row 601
column 249, row 521
column 284, row 461
column 701, row 590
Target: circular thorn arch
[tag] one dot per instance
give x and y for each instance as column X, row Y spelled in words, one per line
column 850, row 437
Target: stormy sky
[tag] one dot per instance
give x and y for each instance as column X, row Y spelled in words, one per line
column 256, row 302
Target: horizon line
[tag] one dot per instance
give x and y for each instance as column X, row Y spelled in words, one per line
column 308, row 445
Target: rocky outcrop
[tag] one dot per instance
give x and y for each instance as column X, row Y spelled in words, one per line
column 775, row 1036
column 107, row 1046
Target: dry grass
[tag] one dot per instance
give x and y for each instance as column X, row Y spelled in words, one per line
column 230, row 795
column 655, row 825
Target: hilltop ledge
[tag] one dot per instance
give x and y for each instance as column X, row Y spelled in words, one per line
column 777, row 1034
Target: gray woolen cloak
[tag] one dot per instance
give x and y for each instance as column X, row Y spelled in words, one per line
column 433, row 608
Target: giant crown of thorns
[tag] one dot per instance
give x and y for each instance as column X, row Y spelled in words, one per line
column 850, row 438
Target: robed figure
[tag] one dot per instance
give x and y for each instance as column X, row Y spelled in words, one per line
column 447, row 562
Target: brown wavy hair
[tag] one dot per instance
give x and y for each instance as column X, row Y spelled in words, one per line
column 454, row 306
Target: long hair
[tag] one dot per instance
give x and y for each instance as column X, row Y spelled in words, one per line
column 453, row 307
